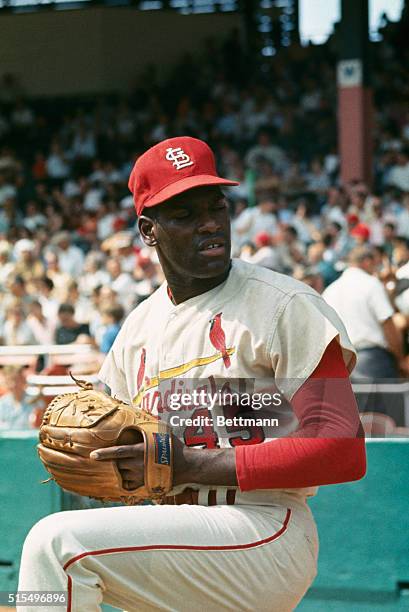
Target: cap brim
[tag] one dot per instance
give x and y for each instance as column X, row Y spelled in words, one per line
column 200, row 180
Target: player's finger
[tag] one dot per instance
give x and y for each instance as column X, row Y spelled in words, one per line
column 131, row 463
column 127, row 474
column 117, row 452
column 131, row 484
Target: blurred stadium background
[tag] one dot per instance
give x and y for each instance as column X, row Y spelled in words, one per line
column 307, row 104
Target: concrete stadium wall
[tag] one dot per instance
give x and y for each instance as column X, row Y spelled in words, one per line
column 99, row 49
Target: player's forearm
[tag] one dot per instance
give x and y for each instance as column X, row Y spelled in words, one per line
column 205, row 466
column 286, row 463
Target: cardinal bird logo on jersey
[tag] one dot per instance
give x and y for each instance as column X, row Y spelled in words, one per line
column 218, row 338
column 141, row 370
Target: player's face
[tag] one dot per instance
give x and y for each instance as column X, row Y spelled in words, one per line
column 191, row 233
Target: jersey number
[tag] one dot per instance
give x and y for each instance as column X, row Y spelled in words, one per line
column 204, row 435
column 201, row 435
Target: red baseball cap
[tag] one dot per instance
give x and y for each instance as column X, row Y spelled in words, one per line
column 361, row 231
column 262, row 239
column 172, row 167
column 352, row 219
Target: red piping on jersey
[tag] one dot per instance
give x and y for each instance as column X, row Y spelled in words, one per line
column 170, row 295
column 107, row 551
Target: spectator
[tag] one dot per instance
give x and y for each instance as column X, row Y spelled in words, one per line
column 290, row 250
column 252, row 221
column 41, row 327
column 59, row 279
column 16, row 330
column 81, row 303
column 361, row 234
column 16, row 407
column 264, row 149
column 48, row 303
column 317, row 179
column 22, row 117
column 333, row 207
column 321, row 263
column 361, row 301
column 16, row 292
column 33, row 218
column 265, row 255
column 7, row 216
column 311, row 277
column 69, row 329
column 306, row 229
column 148, row 280
column 83, row 145
column 70, row 257
column 399, row 174
column 93, row 276
column 6, row 266
column 389, row 235
column 56, row 165
column 111, row 319
column 121, row 282
column 27, row 266
column 376, row 222
column 7, row 189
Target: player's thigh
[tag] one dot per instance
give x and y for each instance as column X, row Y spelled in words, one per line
column 179, row 557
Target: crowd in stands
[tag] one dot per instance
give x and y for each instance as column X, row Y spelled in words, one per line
column 72, row 264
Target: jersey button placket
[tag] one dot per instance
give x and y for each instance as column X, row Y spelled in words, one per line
column 168, row 341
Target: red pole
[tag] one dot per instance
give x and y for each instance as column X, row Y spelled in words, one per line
column 354, row 94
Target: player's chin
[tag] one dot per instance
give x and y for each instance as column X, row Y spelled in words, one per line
column 208, row 267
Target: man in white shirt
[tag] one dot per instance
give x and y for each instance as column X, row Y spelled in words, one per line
column 121, row 282
column 266, row 255
column 70, row 257
column 362, row 303
column 399, row 175
column 252, row 221
column 267, row 150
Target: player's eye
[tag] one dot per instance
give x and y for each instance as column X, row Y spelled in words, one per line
column 220, row 205
column 183, row 213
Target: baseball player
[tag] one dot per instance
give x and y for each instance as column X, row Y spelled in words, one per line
column 236, row 532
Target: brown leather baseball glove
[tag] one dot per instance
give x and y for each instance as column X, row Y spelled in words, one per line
column 75, row 424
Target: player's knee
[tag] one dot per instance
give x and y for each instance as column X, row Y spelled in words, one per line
column 45, row 537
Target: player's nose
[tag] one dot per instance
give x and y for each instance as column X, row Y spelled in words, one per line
column 207, row 222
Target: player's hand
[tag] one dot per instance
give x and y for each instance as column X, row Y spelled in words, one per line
column 197, row 465
column 129, row 459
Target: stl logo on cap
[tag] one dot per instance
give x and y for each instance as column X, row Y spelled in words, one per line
column 179, row 158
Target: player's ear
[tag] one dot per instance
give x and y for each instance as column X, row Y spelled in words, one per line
column 146, row 227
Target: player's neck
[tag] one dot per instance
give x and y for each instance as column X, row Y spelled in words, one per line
column 180, row 290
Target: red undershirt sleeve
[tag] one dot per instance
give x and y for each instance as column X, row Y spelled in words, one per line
column 327, row 448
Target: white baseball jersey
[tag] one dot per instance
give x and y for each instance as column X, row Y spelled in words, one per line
column 258, row 324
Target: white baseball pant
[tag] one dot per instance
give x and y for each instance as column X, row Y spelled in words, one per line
column 174, row 558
